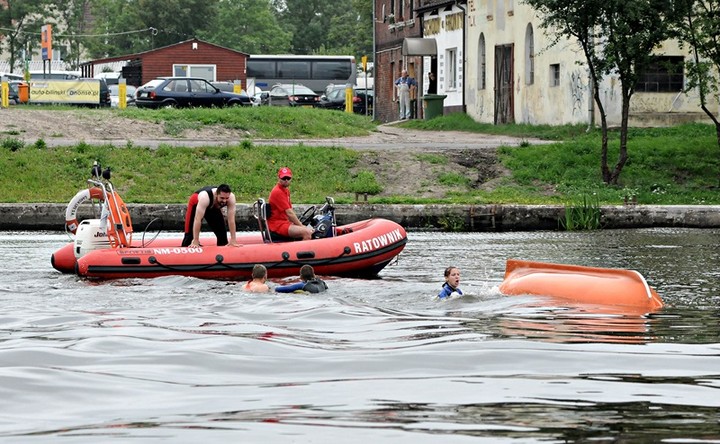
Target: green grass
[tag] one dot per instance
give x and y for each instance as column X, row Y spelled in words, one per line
column 677, row 165
column 170, row 174
column 463, row 122
column 264, row 122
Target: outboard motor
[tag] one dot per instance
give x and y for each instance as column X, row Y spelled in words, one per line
column 324, row 223
column 91, row 235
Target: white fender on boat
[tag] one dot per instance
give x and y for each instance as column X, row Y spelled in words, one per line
column 71, row 222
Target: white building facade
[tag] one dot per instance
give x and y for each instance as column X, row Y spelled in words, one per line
column 515, row 74
column 446, row 25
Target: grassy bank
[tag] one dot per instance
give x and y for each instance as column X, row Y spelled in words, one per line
column 259, row 122
column 678, row 165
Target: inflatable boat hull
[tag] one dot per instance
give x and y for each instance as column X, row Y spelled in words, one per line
column 363, row 251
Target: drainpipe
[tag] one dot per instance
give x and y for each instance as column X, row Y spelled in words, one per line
column 591, row 102
column 374, row 19
column 457, row 3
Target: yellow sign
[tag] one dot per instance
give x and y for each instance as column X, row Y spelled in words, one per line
column 65, row 91
column 364, row 63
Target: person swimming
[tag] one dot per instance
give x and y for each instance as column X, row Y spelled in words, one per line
column 451, row 285
column 258, row 282
column 309, row 282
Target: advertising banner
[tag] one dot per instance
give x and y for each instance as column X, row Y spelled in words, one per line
column 65, row 91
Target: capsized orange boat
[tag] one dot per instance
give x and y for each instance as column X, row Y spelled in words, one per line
column 591, row 285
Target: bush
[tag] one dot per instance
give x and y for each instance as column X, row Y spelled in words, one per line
column 12, row 144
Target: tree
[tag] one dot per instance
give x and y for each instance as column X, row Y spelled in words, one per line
column 250, row 26
column 73, row 13
column 21, row 20
column 115, row 29
column 161, row 22
column 176, row 20
column 698, row 25
column 617, row 37
column 311, row 24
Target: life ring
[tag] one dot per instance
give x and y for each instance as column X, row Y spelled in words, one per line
column 71, row 222
column 119, row 223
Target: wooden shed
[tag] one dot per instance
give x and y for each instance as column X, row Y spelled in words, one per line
column 191, row 58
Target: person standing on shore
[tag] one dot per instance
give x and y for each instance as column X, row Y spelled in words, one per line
column 208, row 203
column 403, row 85
column 432, row 83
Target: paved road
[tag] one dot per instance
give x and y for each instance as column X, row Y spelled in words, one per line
column 387, row 137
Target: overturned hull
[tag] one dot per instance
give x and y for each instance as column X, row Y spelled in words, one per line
column 590, row 285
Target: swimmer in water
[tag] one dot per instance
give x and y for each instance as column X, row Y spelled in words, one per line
column 452, row 282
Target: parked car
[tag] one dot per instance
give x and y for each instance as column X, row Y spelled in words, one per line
column 14, row 92
column 362, row 93
column 181, row 92
column 293, row 94
column 230, row 88
column 261, row 98
column 115, row 95
column 334, row 98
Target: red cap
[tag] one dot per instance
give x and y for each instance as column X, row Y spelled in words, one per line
column 284, row 172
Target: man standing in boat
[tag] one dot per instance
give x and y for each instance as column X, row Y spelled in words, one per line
column 283, row 221
column 208, row 203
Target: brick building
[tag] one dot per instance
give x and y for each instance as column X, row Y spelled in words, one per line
column 395, row 20
column 192, row 58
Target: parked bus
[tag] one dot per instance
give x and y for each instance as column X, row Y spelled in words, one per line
column 314, row 71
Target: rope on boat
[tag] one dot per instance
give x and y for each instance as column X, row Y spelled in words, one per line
column 219, row 261
column 286, row 259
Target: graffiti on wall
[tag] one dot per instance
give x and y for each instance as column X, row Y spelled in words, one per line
column 578, row 88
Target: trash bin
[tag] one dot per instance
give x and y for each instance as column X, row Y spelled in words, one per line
column 433, row 105
column 23, row 92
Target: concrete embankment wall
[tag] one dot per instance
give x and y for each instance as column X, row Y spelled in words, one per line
column 43, row 216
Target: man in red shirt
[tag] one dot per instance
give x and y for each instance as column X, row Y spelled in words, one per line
column 283, row 220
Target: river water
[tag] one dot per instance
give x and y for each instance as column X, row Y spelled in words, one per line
column 183, row 360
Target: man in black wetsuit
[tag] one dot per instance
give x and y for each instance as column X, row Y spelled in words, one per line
column 208, row 203
column 309, row 283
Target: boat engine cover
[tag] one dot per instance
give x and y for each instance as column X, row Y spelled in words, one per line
column 91, row 235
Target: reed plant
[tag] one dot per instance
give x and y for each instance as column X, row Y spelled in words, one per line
column 584, row 215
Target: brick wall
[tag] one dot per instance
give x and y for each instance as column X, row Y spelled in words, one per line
column 389, row 60
column 230, row 65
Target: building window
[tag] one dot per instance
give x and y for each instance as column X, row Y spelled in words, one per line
column 529, row 55
column 451, row 69
column 482, row 64
column 664, row 74
column 207, row 72
column 555, row 74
